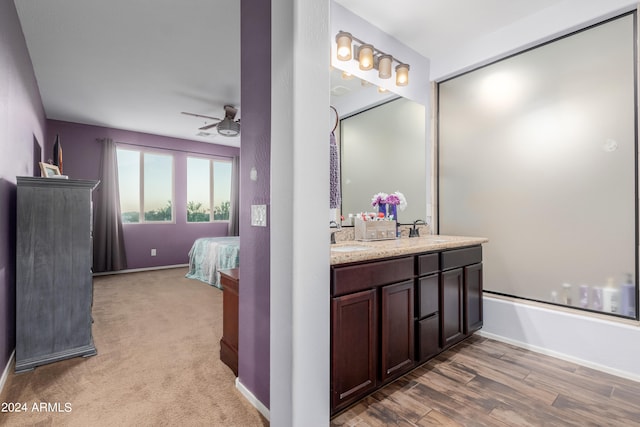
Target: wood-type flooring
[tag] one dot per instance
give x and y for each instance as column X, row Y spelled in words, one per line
column 483, row 382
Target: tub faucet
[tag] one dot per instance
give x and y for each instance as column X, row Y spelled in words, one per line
column 415, row 232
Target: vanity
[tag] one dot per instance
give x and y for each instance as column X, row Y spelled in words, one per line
column 395, row 304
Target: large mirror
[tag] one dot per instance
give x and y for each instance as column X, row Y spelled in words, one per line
column 382, row 141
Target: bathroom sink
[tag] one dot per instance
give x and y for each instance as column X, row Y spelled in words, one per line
column 349, row 248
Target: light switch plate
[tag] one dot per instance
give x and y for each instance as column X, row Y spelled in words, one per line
column 259, row 215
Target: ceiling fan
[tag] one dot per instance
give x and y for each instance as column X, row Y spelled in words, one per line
column 226, row 126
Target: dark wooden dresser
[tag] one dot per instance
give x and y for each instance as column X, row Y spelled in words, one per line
column 230, row 280
column 54, row 284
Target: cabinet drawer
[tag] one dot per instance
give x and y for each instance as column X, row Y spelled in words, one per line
column 460, row 257
column 354, row 278
column 428, row 263
column 428, row 338
column 427, row 298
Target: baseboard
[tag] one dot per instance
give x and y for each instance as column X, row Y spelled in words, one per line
column 137, row 270
column 7, row 369
column 562, row 356
column 252, row 399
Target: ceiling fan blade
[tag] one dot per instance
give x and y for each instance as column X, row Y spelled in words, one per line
column 208, row 126
column 200, row 115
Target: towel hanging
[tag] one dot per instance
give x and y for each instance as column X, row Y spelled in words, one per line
column 335, row 198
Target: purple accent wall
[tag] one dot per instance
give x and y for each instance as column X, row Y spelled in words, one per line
column 254, row 362
column 22, row 128
column 81, row 159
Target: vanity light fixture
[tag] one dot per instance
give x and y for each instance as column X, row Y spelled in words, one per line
column 402, row 74
column 365, row 57
column 346, row 76
column 368, row 57
column 343, row 39
column 384, row 66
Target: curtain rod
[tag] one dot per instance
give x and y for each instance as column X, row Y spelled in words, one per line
column 169, row 149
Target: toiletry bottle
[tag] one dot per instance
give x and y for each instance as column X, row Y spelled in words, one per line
column 610, row 297
column 584, row 296
column 596, row 298
column 566, row 293
column 628, row 298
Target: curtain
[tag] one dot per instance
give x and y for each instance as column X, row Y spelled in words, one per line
column 234, row 219
column 335, row 198
column 108, row 242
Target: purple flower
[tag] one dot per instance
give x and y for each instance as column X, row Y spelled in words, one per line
column 378, row 199
column 392, row 199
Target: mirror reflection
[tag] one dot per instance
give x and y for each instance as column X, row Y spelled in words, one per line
column 383, row 150
column 382, row 141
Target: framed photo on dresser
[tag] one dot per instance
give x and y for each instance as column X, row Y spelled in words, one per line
column 47, row 170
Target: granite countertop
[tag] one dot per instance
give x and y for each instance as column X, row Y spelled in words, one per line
column 354, row 251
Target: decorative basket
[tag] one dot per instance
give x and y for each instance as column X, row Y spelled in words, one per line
column 367, row 231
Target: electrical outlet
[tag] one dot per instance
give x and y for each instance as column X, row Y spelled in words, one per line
column 153, row 252
column 259, row 215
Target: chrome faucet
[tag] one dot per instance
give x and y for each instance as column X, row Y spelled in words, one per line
column 415, row 232
column 333, row 233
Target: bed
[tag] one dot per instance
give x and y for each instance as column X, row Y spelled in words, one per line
column 209, row 255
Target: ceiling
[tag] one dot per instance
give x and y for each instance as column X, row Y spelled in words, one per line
column 136, row 65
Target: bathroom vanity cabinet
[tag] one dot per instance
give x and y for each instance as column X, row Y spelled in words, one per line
column 389, row 315
column 372, row 340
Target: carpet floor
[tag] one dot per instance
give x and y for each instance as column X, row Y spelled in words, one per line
column 157, row 335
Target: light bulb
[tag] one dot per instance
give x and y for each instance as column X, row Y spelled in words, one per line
column 365, row 57
column 402, row 75
column 343, row 41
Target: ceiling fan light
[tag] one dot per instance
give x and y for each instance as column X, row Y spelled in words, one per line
column 343, row 41
column 402, row 75
column 228, row 127
column 365, row 57
column 384, row 66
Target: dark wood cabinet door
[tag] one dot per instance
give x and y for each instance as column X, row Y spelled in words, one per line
column 396, row 330
column 428, row 338
column 353, row 347
column 473, row 298
column 451, row 306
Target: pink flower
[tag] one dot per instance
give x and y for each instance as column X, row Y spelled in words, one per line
column 392, row 199
column 378, row 199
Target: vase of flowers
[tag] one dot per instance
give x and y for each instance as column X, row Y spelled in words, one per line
column 396, row 201
column 379, row 200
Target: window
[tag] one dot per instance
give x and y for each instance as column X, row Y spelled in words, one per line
column 146, row 186
column 208, row 189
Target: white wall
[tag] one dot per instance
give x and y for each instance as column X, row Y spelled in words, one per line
column 549, row 23
column 299, row 387
column 418, row 88
column 609, row 345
